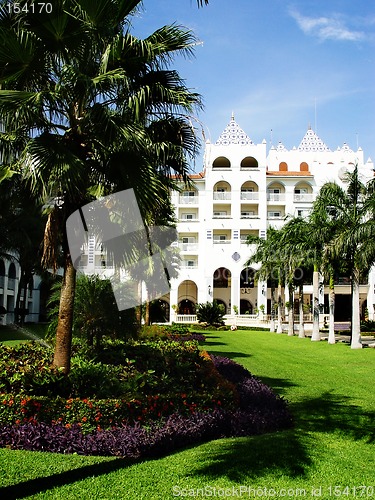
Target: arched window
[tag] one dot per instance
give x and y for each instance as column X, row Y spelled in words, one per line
column 221, row 162
column 304, row 167
column 249, row 162
column 283, row 167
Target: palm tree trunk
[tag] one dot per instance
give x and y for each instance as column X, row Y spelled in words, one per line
column 315, row 333
column 65, row 322
column 279, row 317
column 291, row 311
column 331, row 332
column 139, row 308
column 356, row 324
column 301, row 333
column 272, row 322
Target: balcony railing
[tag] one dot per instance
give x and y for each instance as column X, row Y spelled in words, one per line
column 222, row 195
column 195, row 219
column 222, row 216
column 222, row 242
column 188, row 200
column 249, row 195
column 188, row 247
column 186, row 266
column 275, row 197
column 304, row 197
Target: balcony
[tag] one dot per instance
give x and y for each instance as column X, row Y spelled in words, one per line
column 303, row 197
column 222, row 242
column 188, row 247
column 221, row 216
column 188, row 200
column 249, row 195
column 185, row 219
column 222, row 195
column 276, row 197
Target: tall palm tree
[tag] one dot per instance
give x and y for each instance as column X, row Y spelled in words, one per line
column 353, row 237
column 269, row 253
column 88, row 109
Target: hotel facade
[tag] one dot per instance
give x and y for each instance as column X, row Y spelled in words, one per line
column 243, row 190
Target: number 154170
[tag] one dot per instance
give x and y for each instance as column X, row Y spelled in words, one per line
column 32, row 8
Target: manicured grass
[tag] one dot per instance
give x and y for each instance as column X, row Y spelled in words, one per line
column 30, row 331
column 330, row 390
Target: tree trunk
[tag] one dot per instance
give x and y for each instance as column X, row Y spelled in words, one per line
column 279, row 317
column 331, row 332
column 301, row 333
column 138, row 313
column 17, row 310
column 65, row 322
column 315, row 333
column 356, row 324
column 291, row 311
column 272, row 322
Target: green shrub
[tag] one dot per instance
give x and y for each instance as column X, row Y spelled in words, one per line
column 211, row 313
column 153, row 332
column 368, row 326
column 177, row 329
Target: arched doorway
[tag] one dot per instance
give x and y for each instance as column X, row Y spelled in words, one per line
column 246, row 307
column 222, row 279
column 187, row 297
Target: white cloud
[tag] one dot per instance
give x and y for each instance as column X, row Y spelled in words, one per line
column 326, row 28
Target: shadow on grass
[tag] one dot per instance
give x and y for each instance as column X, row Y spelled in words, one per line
column 332, row 413
column 41, row 484
column 252, row 457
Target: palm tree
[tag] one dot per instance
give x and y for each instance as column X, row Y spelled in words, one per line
column 353, row 236
column 88, row 109
column 268, row 252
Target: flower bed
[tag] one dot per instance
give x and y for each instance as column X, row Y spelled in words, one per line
column 259, row 410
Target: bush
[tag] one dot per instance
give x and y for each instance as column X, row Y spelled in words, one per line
column 368, row 326
column 211, row 313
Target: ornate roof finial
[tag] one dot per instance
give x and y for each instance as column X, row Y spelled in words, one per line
column 232, row 117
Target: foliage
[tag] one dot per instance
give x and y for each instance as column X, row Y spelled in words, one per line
column 211, row 313
column 179, row 424
column 96, row 314
column 368, row 326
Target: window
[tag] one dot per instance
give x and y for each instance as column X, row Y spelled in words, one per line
column 188, row 216
column 246, row 215
column 220, row 214
column 188, row 193
column 220, row 237
column 274, row 215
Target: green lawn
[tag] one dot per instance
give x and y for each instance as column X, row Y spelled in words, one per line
column 31, row 331
column 332, row 447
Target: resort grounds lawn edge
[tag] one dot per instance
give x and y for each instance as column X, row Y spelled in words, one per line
column 329, row 389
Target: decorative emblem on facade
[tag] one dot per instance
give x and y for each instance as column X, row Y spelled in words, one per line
column 236, row 256
column 233, row 134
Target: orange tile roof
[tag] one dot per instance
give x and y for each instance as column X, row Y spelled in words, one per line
column 290, row 174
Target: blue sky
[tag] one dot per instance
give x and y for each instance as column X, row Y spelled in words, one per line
column 279, row 66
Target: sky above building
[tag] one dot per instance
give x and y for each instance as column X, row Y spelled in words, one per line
column 279, row 66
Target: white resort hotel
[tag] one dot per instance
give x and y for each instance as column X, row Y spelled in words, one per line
column 243, row 190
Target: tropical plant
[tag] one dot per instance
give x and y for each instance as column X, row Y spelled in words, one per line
column 88, row 109
column 353, row 239
column 211, row 313
column 95, row 312
column 269, row 254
